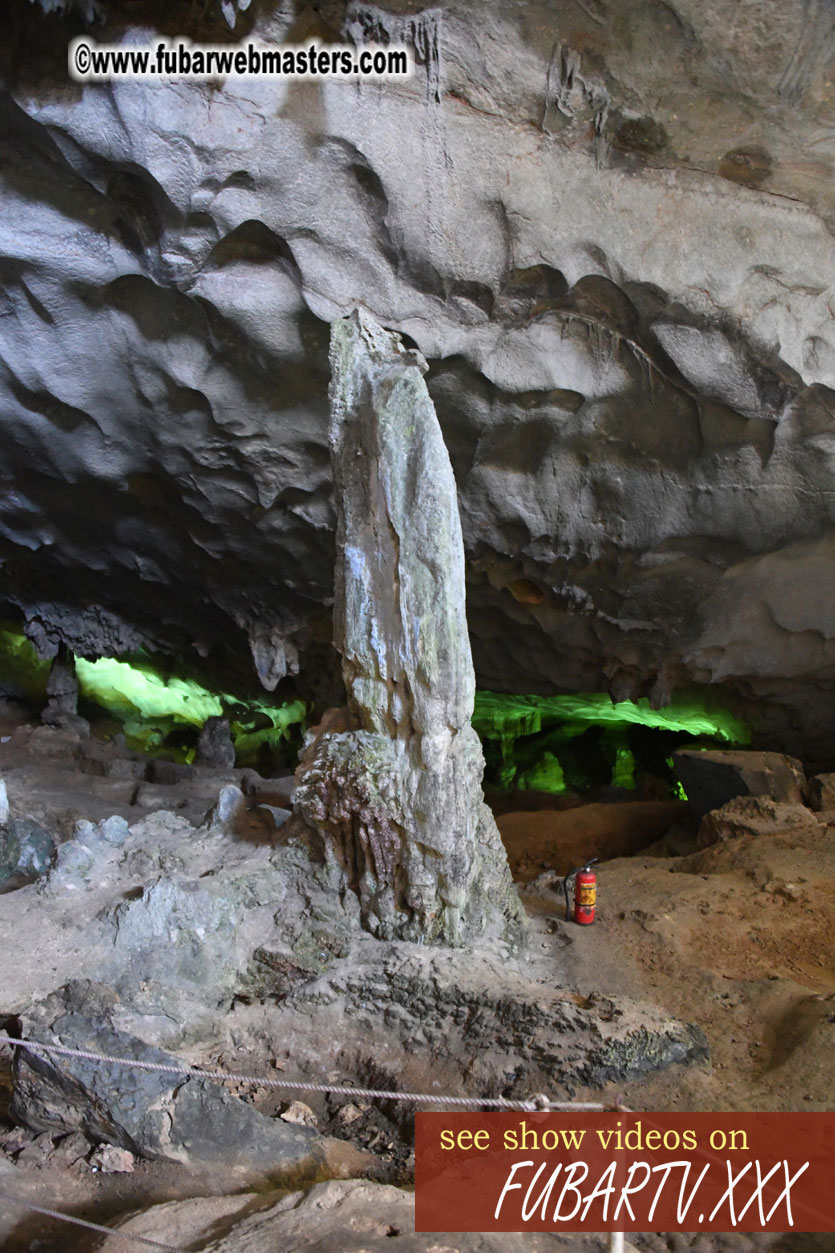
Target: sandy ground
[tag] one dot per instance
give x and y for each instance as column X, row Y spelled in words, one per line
column 737, row 939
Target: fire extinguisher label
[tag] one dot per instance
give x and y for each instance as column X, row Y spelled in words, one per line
column 586, row 895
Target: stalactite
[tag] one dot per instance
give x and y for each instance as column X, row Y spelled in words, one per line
column 365, row 23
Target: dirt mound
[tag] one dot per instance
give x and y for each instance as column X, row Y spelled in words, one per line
column 552, row 840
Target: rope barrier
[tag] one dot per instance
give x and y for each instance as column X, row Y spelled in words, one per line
column 82, row 1222
column 537, row 1103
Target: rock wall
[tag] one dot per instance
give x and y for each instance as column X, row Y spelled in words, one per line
column 607, row 225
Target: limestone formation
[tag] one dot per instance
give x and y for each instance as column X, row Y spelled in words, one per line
column 397, row 800
column 357, row 1216
column 151, row 1114
column 820, row 793
column 214, row 745
column 757, row 816
column 62, row 694
column 26, row 852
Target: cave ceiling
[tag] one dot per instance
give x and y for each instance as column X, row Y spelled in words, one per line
column 608, row 226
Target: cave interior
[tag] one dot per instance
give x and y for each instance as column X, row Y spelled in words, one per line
column 324, row 661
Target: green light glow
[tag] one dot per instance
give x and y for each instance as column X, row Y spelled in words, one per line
column 497, row 716
column 678, row 786
column 151, row 707
column 21, row 670
column 531, row 733
column 283, row 718
column 623, row 774
column 139, row 696
column 545, row 776
column 127, row 690
column 528, row 739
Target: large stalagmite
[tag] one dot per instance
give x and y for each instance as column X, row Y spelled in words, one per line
column 397, row 799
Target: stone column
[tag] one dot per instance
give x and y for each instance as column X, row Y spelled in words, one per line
column 61, row 709
column 397, row 799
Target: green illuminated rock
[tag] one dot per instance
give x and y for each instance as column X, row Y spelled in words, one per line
column 552, row 721
column 397, row 800
column 148, row 704
column 623, row 774
column 129, row 689
column 498, row 715
column 546, row 776
column 145, row 701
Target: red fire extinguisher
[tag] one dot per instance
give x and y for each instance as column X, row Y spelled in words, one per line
column 585, row 893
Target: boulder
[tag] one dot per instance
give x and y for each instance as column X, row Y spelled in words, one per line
column 299, row 1114
column 26, row 852
column 278, row 815
column 278, row 792
column 148, row 1113
column 714, row 777
column 113, row 830
column 177, row 773
column 106, row 761
column 820, row 793
column 562, row 839
column 111, row 1160
column 79, row 861
column 62, row 744
column 755, row 816
column 230, row 805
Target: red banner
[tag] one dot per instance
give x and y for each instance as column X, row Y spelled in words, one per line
column 625, row 1172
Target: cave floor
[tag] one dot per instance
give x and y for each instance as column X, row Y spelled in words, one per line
column 745, row 951
column 736, row 940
